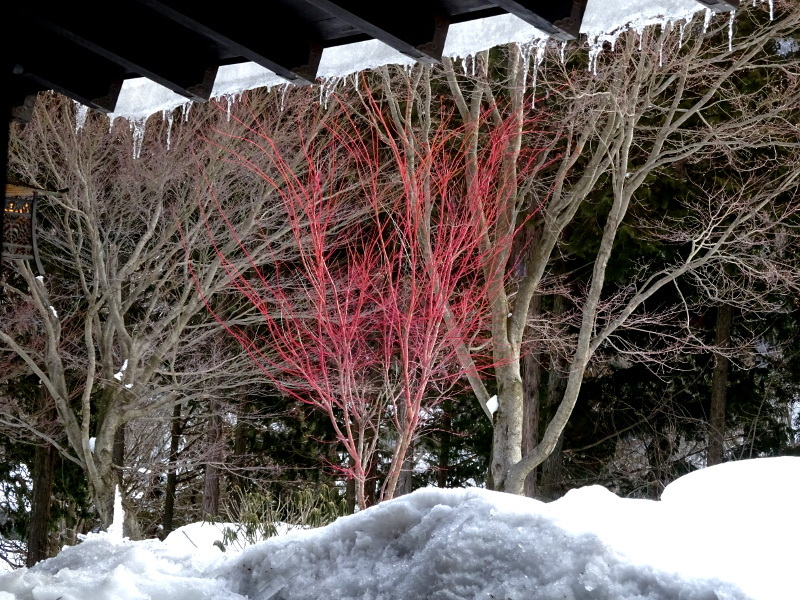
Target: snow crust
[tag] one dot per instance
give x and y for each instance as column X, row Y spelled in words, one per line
column 723, row 533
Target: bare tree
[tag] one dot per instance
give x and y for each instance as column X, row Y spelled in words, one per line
column 125, row 333
column 670, row 96
column 365, row 324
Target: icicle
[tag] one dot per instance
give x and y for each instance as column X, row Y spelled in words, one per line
column 682, row 32
column 771, row 10
column 326, row 90
column 284, row 89
column 81, row 112
column 167, row 114
column 186, row 108
column 525, row 52
column 661, row 48
column 595, row 47
column 730, row 31
column 464, row 64
column 229, row 104
column 541, row 47
column 137, row 126
column 115, row 529
column 707, row 20
column 563, row 52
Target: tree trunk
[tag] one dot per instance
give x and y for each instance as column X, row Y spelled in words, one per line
column 241, row 441
column 172, row 474
column 445, row 445
column 44, row 463
column 719, row 387
column 211, row 486
column 405, row 480
column 532, row 375
column 507, row 433
column 551, row 482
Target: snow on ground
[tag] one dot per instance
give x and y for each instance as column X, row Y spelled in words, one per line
column 725, row 533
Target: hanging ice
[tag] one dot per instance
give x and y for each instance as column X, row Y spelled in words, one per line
column 538, row 59
column 137, row 127
column 167, row 114
column 81, row 111
column 730, row 31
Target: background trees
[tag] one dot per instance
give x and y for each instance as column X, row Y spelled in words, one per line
column 120, row 333
column 654, row 102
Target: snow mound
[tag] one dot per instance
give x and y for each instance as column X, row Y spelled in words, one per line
column 724, row 533
column 448, row 545
column 106, row 568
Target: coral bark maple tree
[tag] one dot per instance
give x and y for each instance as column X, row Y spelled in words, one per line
column 367, row 324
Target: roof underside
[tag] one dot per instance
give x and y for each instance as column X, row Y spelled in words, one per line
column 86, row 50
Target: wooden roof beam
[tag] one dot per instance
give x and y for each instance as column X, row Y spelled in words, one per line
column 289, row 50
column 560, row 19
column 721, row 5
column 148, row 44
column 68, row 69
column 416, row 30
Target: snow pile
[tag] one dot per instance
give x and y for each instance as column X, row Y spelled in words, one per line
column 724, row 533
column 104, row 568
column 452, row 544
column 736, row 521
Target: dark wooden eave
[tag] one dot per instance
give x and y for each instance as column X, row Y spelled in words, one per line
column 86, row 50
column 721, row 5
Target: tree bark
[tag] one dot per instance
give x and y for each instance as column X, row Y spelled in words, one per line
column 172, row 474
column 39, row 534
column 551, row 481
column 532, row 376
column 445, row 445
column 211, row 486
column 719, row 387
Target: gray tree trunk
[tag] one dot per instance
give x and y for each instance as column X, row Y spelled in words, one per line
column 211, row 486
column 532, row 379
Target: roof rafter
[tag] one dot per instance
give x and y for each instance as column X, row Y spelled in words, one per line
column 290, row 50
column 69, row 69
column 174, row 57
column 418, row 31
column 560, row 19
column 720, row 5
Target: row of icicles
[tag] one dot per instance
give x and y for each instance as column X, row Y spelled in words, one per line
column 533, row 54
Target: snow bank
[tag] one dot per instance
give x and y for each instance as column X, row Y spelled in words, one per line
column 104, row 568
column 452, row 544
column 737, row 521
column 724, row 533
